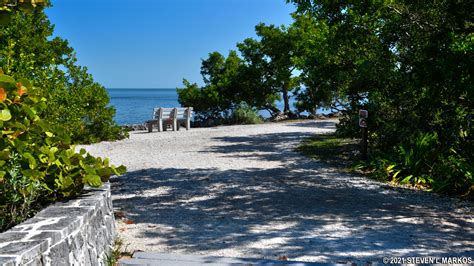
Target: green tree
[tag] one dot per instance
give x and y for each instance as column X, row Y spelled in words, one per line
column 216, row 97
column 409, row 64
column 312, row 57
column 271, row 57
column 261, row 76
column 75, row 100
column 255, row 79
column 38, row 164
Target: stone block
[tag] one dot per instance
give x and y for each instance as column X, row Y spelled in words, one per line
column 27, row 250
column 59, row 254
column 52, row 236
column 7, row 260
column 74, row 232
column 11, row 236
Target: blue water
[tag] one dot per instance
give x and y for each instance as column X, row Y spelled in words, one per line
column 135, row 106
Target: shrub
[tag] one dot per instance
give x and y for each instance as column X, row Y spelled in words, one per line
column 29, row 50
column 19, row 194
column 421, row 162
column 244, row 114
column 38, row 164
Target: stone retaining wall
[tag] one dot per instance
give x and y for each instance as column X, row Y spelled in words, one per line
column 76, row 232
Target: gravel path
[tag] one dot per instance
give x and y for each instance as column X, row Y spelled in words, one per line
column 242, row 191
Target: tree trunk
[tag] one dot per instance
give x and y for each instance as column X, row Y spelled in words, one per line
column 286, row 100
column 272, row 109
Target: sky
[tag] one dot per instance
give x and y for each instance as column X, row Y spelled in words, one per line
column 157, row 43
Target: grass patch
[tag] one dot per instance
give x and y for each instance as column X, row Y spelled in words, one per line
column 118, row 252
column 344, row 154
column 331, row 149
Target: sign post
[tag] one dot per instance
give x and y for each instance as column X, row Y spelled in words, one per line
column 363, row 115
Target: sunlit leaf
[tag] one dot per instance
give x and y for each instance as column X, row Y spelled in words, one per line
column 5, row 115
column 7, row 82
column 92, row 180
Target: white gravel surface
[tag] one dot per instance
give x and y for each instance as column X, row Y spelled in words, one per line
column 242, row 191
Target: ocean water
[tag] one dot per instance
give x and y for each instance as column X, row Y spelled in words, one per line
column 135, row 106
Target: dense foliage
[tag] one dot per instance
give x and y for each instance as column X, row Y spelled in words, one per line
column 80, row 105
column 38, row 164
column 409, row 63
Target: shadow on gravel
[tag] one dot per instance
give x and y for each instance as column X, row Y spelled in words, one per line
column 276, row 146
column 293, row 211
column 300, row 209
column 268, row 147
column 318, row 124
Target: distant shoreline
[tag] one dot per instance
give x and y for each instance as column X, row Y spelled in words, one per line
column 135, row 105
column 319, row 117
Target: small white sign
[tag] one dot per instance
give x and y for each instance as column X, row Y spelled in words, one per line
column 362, row 122
column 363, row 113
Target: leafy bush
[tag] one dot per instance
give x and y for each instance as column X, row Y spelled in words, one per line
column 412, row 75
column 80, row 105
column 244, row 114
column 38, row 164
column 19, row 194
column 82, row 109
column 422, row 163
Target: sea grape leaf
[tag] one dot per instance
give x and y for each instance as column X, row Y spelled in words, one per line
column 5, row 115
column 92, row 180
column 31, row 160
column 7, row 82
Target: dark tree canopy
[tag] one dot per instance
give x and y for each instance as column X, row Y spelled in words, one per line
column 410, row 64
